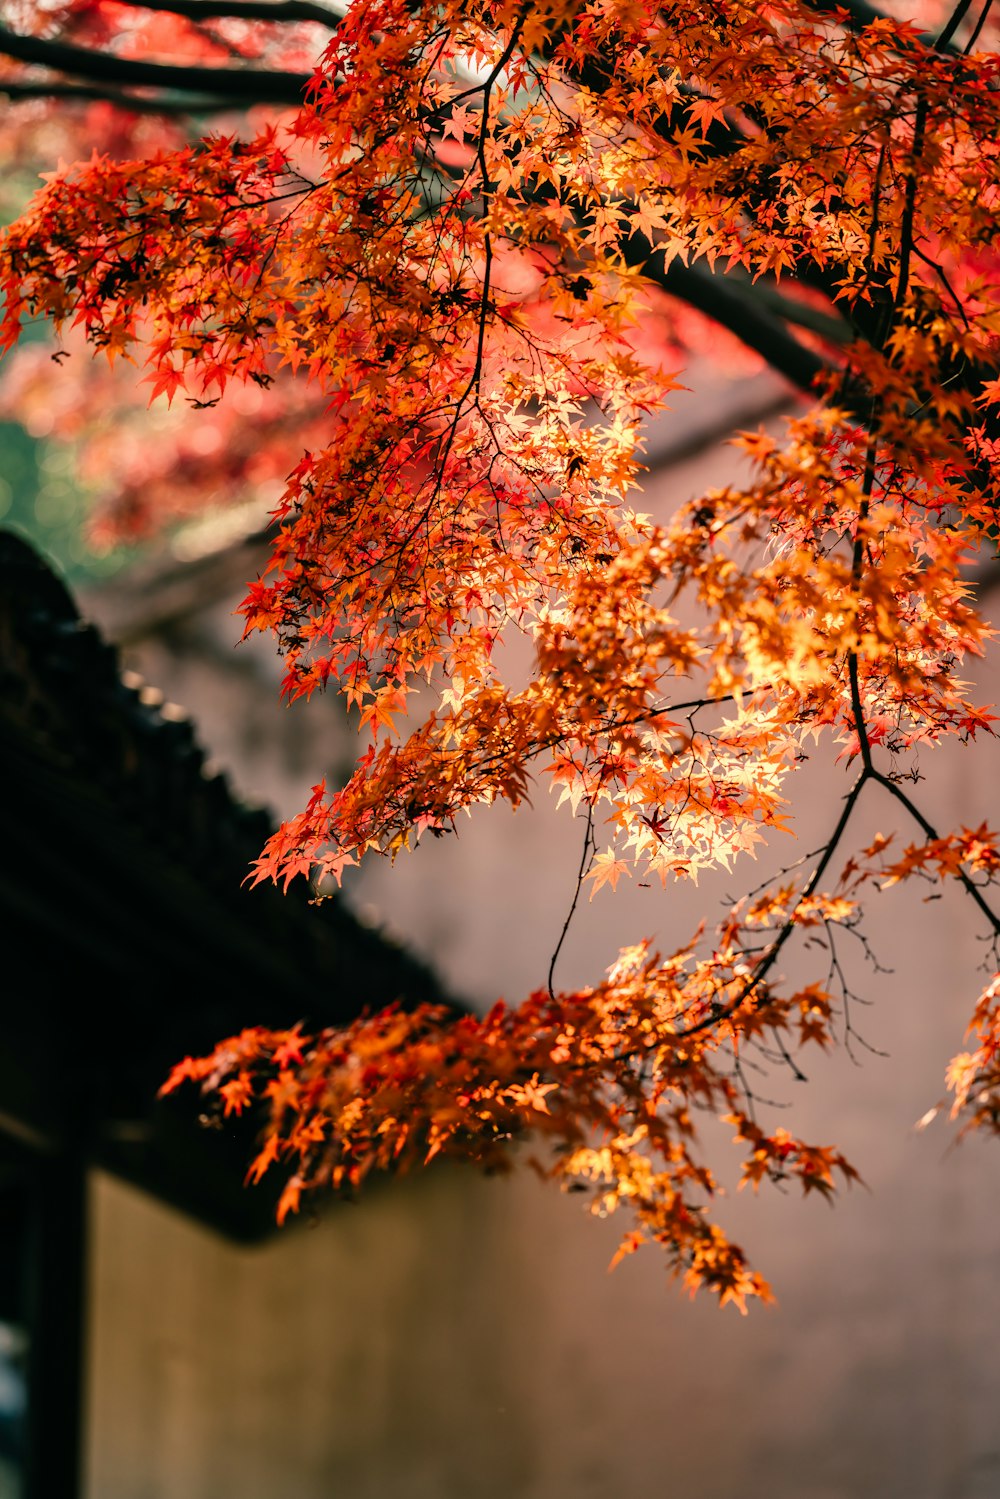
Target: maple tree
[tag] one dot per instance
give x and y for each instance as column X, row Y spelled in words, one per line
column 435, row 265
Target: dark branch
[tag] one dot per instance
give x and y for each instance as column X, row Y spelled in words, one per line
column 931, row 833
column 857, row 14
column 829, row 325
column 135, row 103
column 737, row 308
column 246, row 85
column 957, row 17
column 767, row 962
column 285, row 11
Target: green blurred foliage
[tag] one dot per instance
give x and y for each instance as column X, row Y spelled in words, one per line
column 40, row 499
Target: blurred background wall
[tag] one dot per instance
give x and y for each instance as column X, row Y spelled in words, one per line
column 457, row 1338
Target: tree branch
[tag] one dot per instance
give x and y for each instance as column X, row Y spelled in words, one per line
column 735, row 307
column 969, row 885
column 133, row 103
column 282, row 11
column 769, row 959
column 246, row 85
column 829, row 326
column 857, row 14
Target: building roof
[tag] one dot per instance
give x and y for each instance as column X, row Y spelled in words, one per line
column 131, row 940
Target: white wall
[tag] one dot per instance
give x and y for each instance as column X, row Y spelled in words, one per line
column 455, row 1338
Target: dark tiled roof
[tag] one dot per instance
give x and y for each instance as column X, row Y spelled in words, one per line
column 129, row 937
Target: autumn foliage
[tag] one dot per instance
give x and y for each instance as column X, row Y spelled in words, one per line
column 436, row 271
